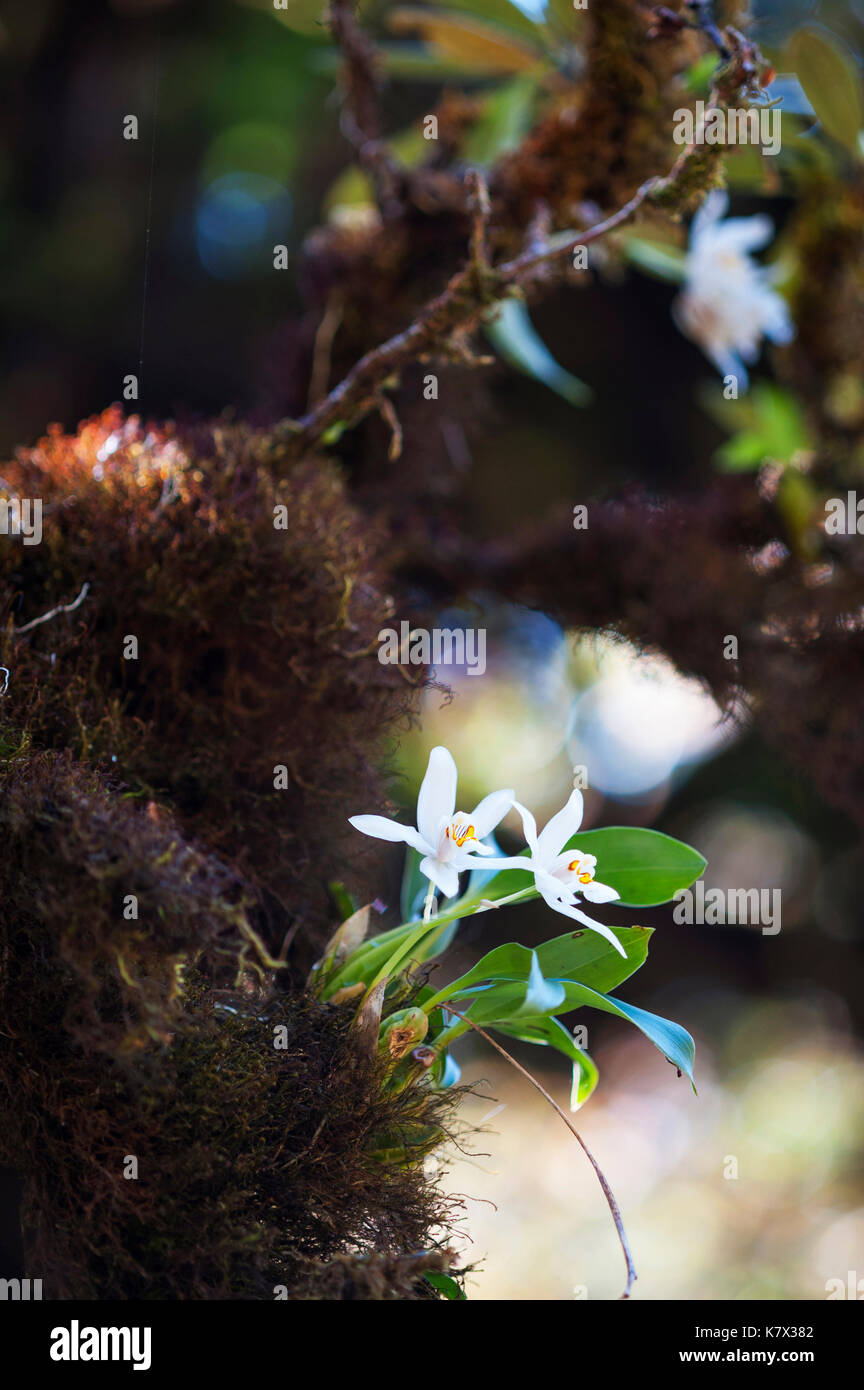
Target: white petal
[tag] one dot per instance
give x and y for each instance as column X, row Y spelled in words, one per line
column 529, row 826
column 589, row 922
column 554, row 836
column 710, row 212
column 746, row 233
column 506, row 861
column 437, row 799
column 551, row 888
column 444, row 876
column 383, row 829
column 598, row 892
column 492, row 809
column 776, row 320
column 728, row 364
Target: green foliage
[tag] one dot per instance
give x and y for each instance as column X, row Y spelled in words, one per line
column 514, row 337
column 830, row 77
column 646, row 867
column 766, row 424
column 521, row 992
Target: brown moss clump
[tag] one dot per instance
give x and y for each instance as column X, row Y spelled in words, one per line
column 179, row 753
column 155, row 1039
column 103, row 903
column 599, row 143
column 825, row 364
column 255, row 707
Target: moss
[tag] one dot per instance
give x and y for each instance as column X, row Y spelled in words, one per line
column 155, row 1039
column 253, row 644
column 602, row 140
column 151, row 873
column 825, row 364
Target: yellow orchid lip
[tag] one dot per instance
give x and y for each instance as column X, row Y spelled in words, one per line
column 461, row 833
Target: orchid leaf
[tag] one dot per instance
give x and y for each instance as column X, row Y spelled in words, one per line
column 514, row 337
column 829, row 74
column 486, row 47
column 551, row 1032
column 646, row 867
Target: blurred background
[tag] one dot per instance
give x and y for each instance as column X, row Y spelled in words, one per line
column 753, row 1188
column 155, row 257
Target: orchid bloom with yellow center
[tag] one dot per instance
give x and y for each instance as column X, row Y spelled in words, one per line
column 562, row 875
column 449, row 840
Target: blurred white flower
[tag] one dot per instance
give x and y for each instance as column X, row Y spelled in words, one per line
column 442, row 832
column 728, row 303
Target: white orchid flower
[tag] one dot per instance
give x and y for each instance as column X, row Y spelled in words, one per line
column 448, row 839
column 728, row 304
column 562, row 876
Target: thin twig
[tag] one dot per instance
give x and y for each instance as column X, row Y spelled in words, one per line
column 61, row 608
column 360, row 117
column 480, row 208
column 607, row 1190
column 322, row 351
column 391, row 419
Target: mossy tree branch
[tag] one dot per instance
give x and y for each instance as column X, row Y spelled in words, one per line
column 479, row 285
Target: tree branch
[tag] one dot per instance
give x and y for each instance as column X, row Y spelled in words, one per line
column 474, row 289
column 360, row 118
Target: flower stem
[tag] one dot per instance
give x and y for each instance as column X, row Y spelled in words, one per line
column 430, row 902
column 607, row 1191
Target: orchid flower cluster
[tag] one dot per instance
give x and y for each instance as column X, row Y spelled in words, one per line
column 451, row 841
column 513, row 990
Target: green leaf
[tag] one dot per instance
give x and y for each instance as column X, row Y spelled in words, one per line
column 587, row 956
column 414, row 886
column 660, row 259
column 486, row 47
column 445, row 1284
column 647, row 867
column 342, row 899
column 565, row 23
column 769, row 424
column 509, row 962
column 699, row 76
column 506, row 1000
column 501, row 12
column 515, row 986
column 502, row 1002
column 669, row 1038
column 583, row 955
column 514, row 337
column 505, row 119
column 551, row 1032
column 541, row 996
column 829, row 75
column 303, row 16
